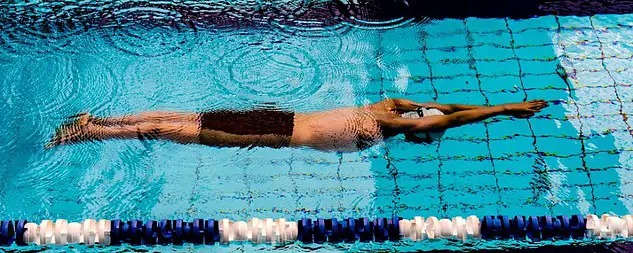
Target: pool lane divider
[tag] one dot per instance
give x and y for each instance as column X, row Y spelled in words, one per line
column 280, row 231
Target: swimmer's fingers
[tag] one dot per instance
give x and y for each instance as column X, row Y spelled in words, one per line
column 539, row 107
column 539, row 103
column 536, row 105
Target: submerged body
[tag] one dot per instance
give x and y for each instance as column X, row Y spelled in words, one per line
column 341, row 129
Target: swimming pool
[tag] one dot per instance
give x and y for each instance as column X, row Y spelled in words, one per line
column 575, row 157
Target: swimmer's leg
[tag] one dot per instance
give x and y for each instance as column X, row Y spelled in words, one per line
column 182, row 132
column 150, row 116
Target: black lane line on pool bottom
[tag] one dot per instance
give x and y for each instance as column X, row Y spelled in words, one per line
column 581, row 131
column 473, row 66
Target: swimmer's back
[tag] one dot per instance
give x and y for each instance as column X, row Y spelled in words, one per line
column 344, row 129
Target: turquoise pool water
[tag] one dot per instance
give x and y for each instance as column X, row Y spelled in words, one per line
column 575, row 157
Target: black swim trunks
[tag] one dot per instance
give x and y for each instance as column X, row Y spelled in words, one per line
column 268, row 128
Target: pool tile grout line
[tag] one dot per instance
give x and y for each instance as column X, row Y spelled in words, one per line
column 340, row 181
column 442, row 206
column 583, row 154
column 615, row 89
column 390, row 167
column 542, row 175
column 490, row 158
column 293, row 182
column 195, row 192
column 423, row 35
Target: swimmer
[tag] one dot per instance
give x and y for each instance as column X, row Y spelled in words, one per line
column 343, row 129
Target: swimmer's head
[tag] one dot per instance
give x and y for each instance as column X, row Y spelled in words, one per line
column 426, row 137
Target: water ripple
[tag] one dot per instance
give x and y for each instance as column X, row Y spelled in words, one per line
column 73, row 83
column 304, row 18
column 49, row 93
column 40, row 28
column 95, row 77
column 149, row 31
column 189, row 86
column 10, row 102
column 269, row 72
column 48, row 169
column 362, row 14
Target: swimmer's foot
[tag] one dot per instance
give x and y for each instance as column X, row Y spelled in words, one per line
column 72, row 132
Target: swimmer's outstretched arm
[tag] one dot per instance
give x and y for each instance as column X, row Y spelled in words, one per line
column 435, row 123
column 409, row 105
column 442, row 122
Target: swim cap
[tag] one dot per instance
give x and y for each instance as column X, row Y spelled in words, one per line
column 421, row 112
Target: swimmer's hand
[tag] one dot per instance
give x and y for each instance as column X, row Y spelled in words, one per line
column 524, row 109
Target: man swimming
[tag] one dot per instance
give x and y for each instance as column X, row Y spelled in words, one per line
column 342, row 129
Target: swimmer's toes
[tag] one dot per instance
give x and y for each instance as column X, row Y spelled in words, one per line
column 78, row 115
column 80, row 118
column 56, row 140
column 52, row 143
column 72, row 132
